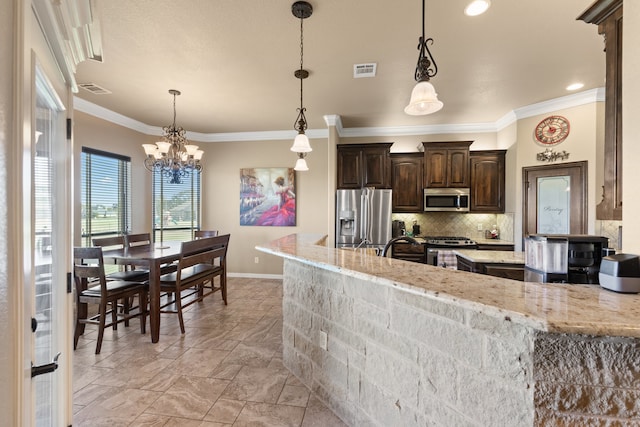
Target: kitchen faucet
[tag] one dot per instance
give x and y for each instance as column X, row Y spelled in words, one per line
column 396, row 239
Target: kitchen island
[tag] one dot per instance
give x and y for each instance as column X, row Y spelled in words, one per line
column 506, row 264
column 387, row 342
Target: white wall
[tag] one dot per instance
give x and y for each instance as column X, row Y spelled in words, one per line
column 221, row 196
column 581, row 144
column 8, row 317
column 631, row 128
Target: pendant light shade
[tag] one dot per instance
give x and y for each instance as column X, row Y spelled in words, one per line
column 424, row 100
column 301, row 144
column 301, row 165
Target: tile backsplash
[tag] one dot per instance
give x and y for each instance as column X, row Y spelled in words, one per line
column 459, row 224
column 611, row 230
column 467, row 225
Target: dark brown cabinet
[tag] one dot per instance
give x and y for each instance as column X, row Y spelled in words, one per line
column 446, row 164
column 506, row 271
column 486, row 170
column 607, row 15
column 363, row 165
column 496, row 246
column 406, row 182
column 409, row 252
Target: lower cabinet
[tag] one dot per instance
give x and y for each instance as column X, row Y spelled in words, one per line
column 409, row 252
column 506, row 271
column 496, row 247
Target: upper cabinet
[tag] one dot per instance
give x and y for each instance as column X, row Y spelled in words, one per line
column 446, row 164
column 364, row 165
column 406, row 182
column 487, row 181
column 607, row 15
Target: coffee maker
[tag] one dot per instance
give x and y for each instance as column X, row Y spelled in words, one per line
column 563, row 258
column 398, row 228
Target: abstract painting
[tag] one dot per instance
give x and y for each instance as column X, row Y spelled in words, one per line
column 267, row 197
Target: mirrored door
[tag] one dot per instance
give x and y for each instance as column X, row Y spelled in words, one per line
column 555, row 199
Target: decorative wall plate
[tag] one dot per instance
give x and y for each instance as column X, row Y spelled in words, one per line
column 552, row 130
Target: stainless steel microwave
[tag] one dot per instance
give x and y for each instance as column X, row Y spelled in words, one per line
column 446, row 200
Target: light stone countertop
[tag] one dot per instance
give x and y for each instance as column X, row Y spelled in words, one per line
column 574, row 309
column 491, row 257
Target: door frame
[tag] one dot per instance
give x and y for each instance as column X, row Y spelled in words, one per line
column 579, row 194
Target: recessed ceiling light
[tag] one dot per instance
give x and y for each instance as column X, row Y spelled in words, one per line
column 575, row 86
column 477, row 7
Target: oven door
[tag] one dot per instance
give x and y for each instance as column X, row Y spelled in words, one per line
column 443, row 256
column 432, row 256
column 446, row 200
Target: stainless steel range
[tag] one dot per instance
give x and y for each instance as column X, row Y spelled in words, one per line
column 450, row 242
column 439, row 249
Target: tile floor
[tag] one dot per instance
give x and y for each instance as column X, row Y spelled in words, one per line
column 226, row 370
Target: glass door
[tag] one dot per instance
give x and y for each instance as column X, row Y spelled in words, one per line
column 48, row 298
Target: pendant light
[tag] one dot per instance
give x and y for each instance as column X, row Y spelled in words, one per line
column 424, row 99
column 301, row 146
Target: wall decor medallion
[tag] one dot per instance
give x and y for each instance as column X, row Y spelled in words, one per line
column 552, row 130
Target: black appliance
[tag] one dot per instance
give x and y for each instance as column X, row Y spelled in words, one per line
column 398, row 228
column 563, row 258
column 444, row 245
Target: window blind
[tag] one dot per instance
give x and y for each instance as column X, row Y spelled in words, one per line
column 106, row 194
column 176, row 207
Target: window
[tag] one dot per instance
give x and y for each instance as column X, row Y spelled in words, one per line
column 176, row 207
column 106, row 194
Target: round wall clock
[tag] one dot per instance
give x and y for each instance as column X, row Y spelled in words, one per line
column 552, row 130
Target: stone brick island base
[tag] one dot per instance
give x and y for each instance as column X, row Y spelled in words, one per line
column 379, row 351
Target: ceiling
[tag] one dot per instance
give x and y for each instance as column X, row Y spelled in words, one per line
column 234, row 61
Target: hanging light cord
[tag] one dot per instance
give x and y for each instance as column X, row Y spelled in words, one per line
column 174, row 107
column 426, row 66
column 301, row 121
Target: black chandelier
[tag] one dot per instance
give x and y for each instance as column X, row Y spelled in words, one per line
column 301, row 146
column 424, row 99
column 174, row 157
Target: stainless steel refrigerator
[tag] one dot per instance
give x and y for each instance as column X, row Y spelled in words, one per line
column 363, row 218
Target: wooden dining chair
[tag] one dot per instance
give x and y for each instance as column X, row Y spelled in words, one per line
column 138, row 239
column 199, row 234
column 126, row 272
column 196, row 267
column 144, row 239
column 220, row 262
column 92, row 287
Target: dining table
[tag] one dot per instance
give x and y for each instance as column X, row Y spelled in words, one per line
column 153, row 257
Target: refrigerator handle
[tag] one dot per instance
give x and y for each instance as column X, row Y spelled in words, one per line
column 364, row 217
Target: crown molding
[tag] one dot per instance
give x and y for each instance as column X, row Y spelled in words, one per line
column 95, row 110
column 333, row 120
column 569, row 101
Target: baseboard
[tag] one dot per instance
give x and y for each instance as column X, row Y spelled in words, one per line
column 256, row 276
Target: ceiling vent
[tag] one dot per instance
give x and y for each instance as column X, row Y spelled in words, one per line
column 364, row 70
column 94, row 88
